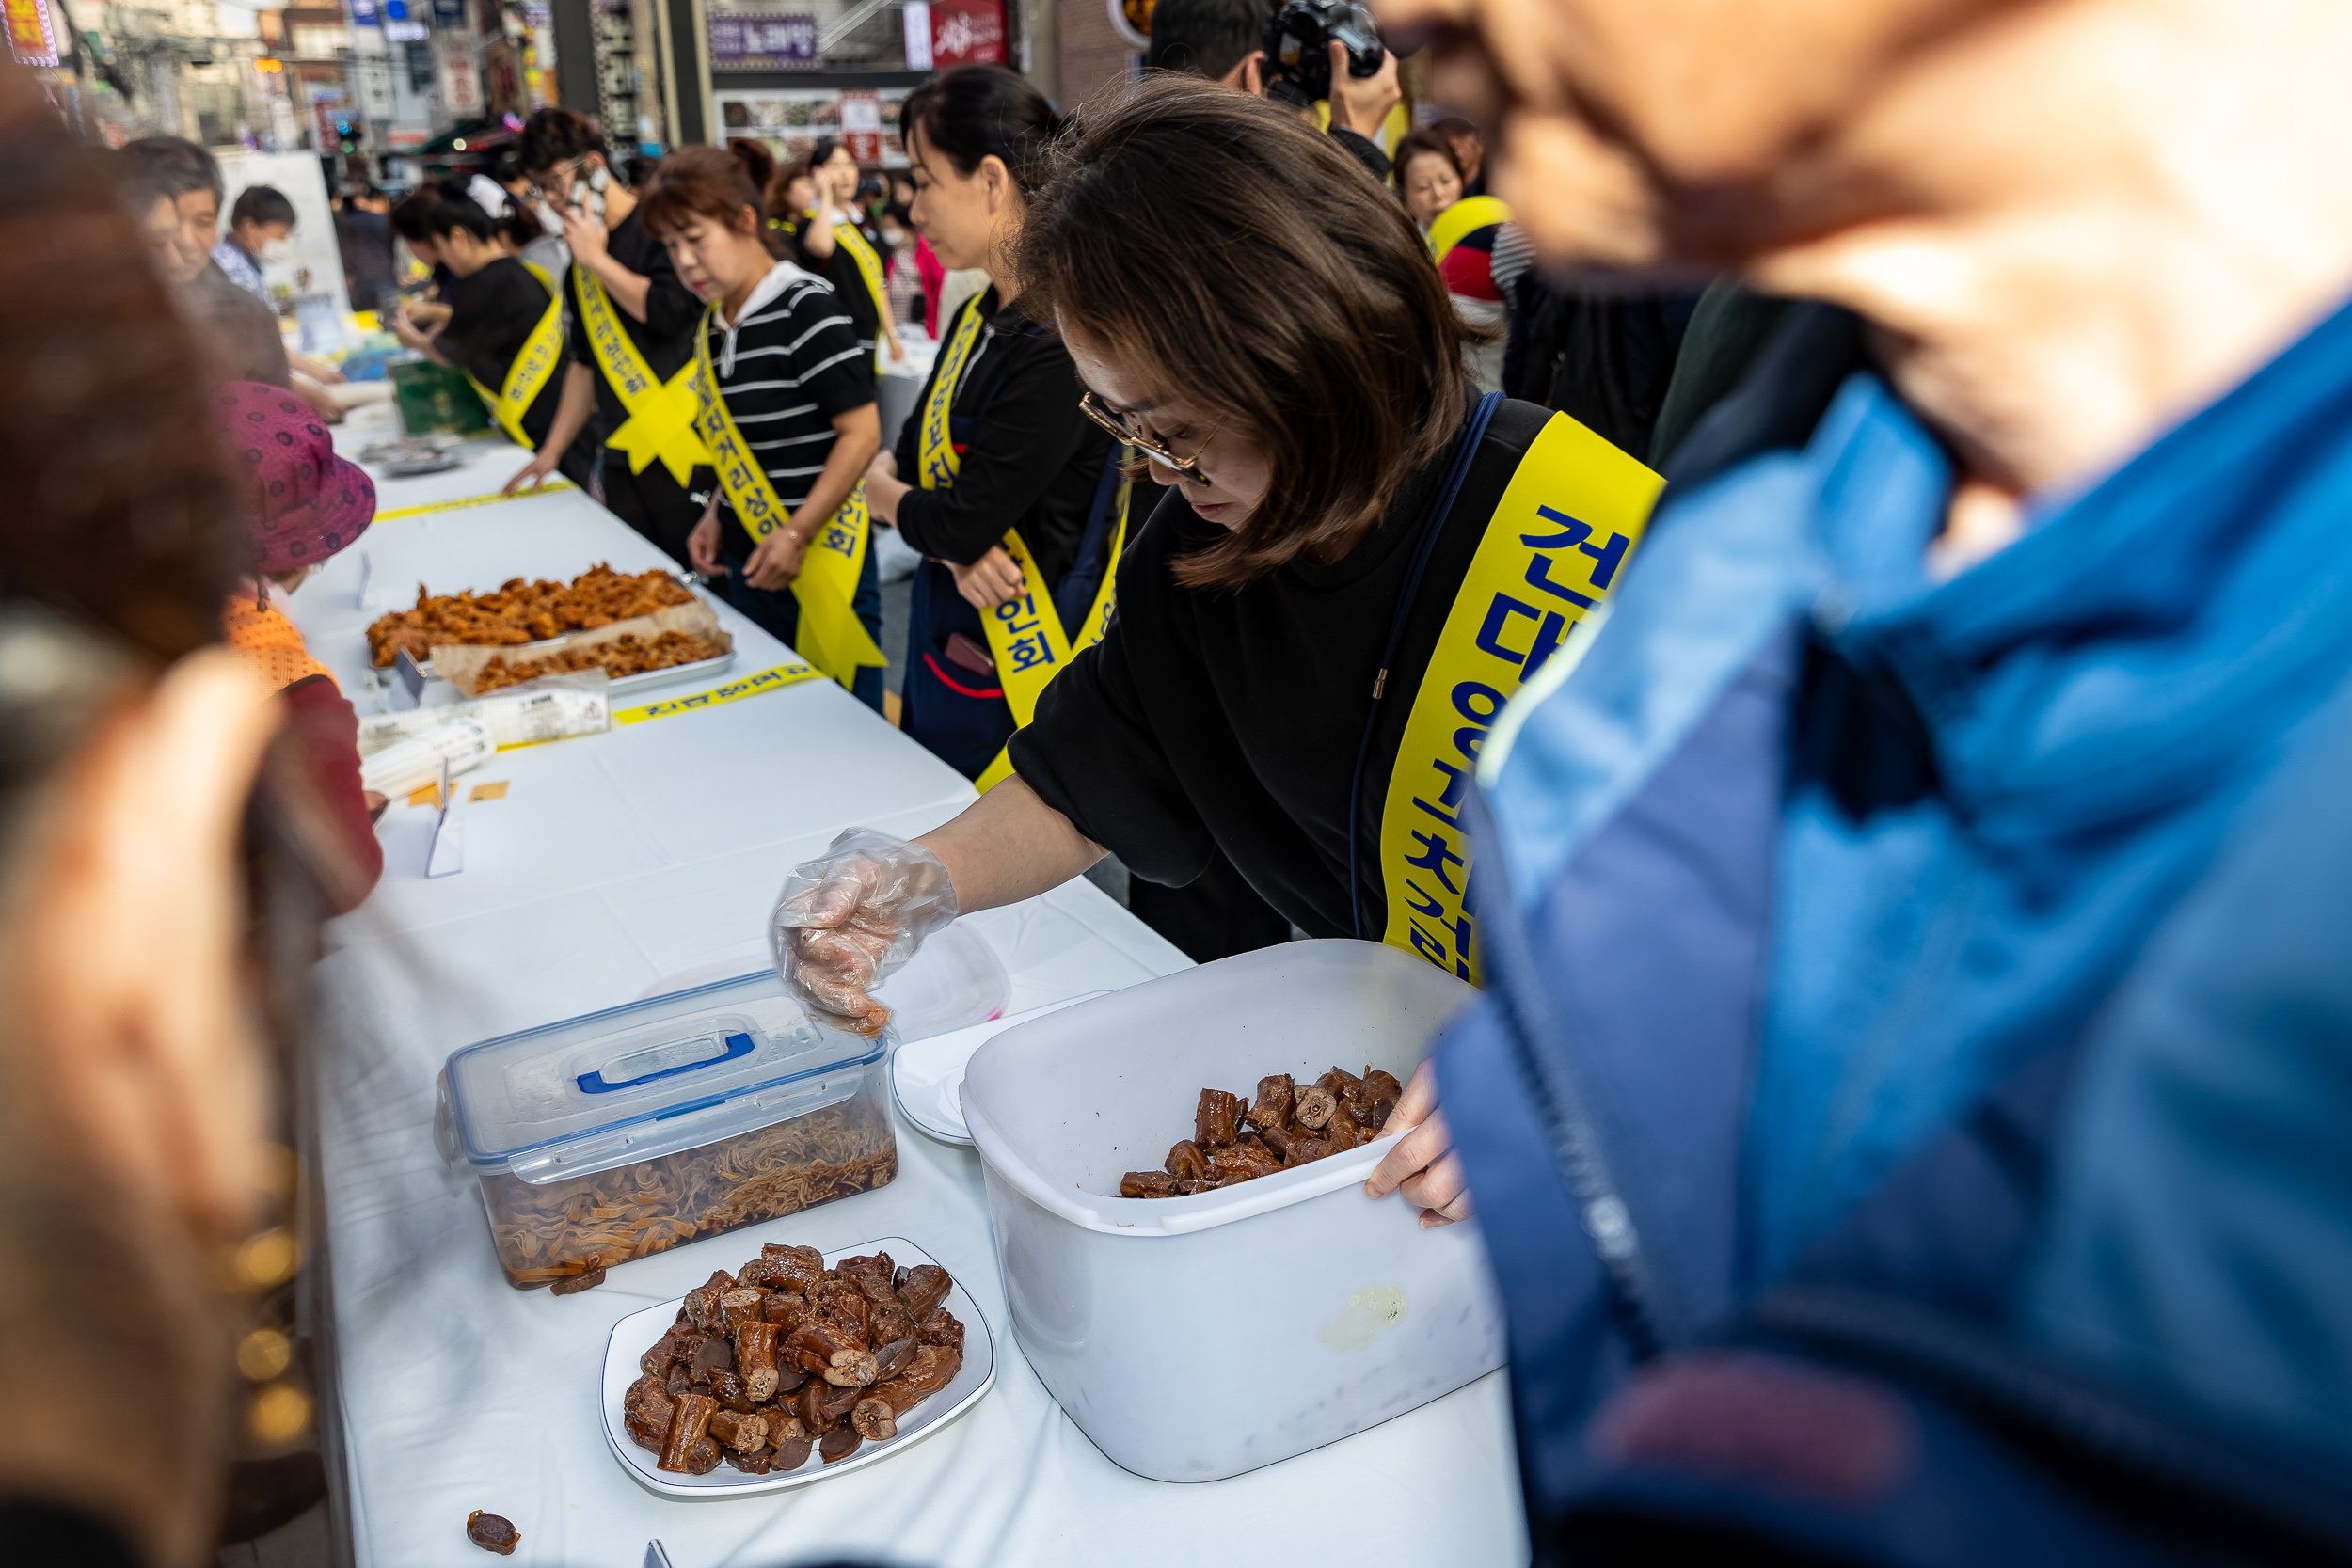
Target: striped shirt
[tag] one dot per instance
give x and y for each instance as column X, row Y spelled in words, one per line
column 789, row 367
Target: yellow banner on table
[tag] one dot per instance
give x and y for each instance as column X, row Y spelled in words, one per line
column 1552, row 550
column 830, row 635
column 661, row 415
column 528, row 375
column 1463, row 219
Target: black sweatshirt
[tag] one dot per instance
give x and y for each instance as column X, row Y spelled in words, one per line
column 1225, row 717
column 491, row 315
column 665, row 337
column 1029, row 459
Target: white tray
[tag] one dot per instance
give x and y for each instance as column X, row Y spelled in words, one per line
column 927, row 1075
column 633, row 1335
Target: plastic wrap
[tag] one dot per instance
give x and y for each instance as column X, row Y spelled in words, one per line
column 847, row 921
column 464, row 744
column 553, row 707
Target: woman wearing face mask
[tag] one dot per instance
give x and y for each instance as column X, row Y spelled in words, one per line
column 996, row 459
column 503, row 328
column 1360, row 562
column 831, row 241
column 261, row 225
column 788, row 411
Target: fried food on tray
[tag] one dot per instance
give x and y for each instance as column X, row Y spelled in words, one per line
column 785, row 1354
column 1291, row 1125
column 626, row 654
column 521, row 611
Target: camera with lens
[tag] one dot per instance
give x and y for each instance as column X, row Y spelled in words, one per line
column 1299, row 41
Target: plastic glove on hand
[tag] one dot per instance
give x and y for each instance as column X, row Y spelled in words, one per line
column 847, row 921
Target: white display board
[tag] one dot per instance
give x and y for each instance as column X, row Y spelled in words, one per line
column 314, row 251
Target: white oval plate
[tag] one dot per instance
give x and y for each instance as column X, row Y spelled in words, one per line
column 927, row 1075
column 635, row 1333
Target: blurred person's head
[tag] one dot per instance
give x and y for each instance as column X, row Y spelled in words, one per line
column 1221, row 40
column 792, row 190
column 1428, row 175
column 193, row 178
column 133, row 1067
column 412, row 220
column 467, row 238
column 975, row 136
column 1309, row 357
column 901, row 188
column 639, row 168
column 261, row 223
column 703, row 206
column 562, row 154
column 835, row 169
column 367, row 198
column 759, row 163
column 1469, row 149
column 506, row 172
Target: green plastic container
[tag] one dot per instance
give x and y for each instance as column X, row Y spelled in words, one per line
column 435, row 397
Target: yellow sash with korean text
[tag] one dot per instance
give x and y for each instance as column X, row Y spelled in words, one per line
column 1461, row 220
column 1555, row 547
column 831, row 636
column 869, row 267
column 663, row 416
column 527, row 377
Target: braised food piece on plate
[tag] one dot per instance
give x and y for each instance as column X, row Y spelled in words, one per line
column 1213, row 1121
column 1289, row 1125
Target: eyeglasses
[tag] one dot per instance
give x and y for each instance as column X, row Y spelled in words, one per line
column 568, row 169
column 1111, row 420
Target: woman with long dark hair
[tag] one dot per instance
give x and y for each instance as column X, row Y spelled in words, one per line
column 1361, row 561
column 1008, row 492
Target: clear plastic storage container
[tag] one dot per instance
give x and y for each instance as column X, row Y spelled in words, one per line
column 632, row 1131
column 1197, row 1338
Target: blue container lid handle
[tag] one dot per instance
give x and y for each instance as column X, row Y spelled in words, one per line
column 737, row 1045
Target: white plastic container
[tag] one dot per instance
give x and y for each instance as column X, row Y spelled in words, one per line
column 1197, row 1338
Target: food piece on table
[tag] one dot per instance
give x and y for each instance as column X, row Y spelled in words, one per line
column 933, row 1368
column 892, row 1358
column 1145, row 1183
column 798, row 1267
column 1213, row 1120
column 1344, row 1130
column 792, row 1455
column 1277, row 1093
column 1315, row 1107
column 840, row 1443
column 926, row 1287
column 941, row 1328
column 1381, row 1085
column 702, row 1302
column 688, row 1423
column 785, row 1427
column 571, row 1285
column 670, row 1347
column 892, row 1321
column 825, row 1343
column 871, row 1276
column 681, row 1380
column 727, row 1388
column 810, row 1407
column 713, row 1355
column 703, row 1457
column 874, row 1418
column 1185, row 1162
column 755, row 1358
column 1343, row 1083
column 787, row 1312
column 756, row 1463
column 851, row 1369
column 492, row 1533
column 789, row 1377
column 744, row 1431
column 739, row 1307
column 645, row 1411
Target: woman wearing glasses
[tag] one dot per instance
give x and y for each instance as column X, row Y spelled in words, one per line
column 996, row 466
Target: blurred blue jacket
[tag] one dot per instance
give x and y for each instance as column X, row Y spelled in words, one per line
column 1940, row 975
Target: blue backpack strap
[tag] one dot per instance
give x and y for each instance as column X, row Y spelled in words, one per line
column 1074, row 594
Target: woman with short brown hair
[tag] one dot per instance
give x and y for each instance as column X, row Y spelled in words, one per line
column 1361, row 564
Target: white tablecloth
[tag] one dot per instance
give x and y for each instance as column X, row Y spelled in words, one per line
column 615, row 861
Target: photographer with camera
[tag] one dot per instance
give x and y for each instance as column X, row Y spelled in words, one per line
column 1300, row 54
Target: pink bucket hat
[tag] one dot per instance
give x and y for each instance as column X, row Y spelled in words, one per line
column 302, row 502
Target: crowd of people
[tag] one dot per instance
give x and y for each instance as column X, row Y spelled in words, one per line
column 1800, row 552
